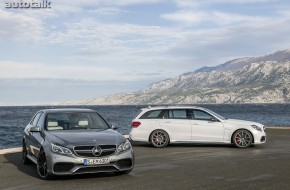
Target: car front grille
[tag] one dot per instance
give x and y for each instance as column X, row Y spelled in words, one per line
column 88, row 151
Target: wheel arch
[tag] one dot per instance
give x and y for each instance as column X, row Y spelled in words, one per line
column 253, row 138
column 156, row 130
column 41, row 149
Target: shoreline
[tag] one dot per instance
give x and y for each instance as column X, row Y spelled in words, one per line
column 10, row 150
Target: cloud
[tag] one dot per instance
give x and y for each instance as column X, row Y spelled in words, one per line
column 29, row 25
column 186, row 17
column 213, row 35
column 106, row 41
column 216, row 46
column 11, row 69
column 90, row 31
column 19, row 27
column 109, row 2
column 207, row 3
column 217, row 17
column 108, row 11
column 85, row 72
column 62, row 7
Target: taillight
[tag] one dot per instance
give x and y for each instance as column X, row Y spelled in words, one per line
column 135, row 124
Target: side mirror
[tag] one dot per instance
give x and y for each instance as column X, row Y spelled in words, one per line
column 34, row 129
column 214, row 119
column 114, row 127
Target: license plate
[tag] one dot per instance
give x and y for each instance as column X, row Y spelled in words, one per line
column 96, row 161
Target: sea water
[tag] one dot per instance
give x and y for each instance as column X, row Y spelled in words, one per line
column 14, row 119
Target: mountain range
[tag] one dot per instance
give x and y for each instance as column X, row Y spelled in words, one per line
column 263, row 79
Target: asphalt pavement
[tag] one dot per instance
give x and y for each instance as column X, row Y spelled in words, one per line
column 183, row 166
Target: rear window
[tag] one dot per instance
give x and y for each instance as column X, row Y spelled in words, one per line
column 138, row 113
column 151, row 114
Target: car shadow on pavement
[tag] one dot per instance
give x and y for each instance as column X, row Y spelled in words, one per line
column 15, row 159
column 30, row 169
column 184, row 145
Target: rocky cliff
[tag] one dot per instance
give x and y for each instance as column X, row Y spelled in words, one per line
column 263, row 79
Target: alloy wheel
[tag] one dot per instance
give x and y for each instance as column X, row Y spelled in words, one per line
column 159, row 138
column 242, row 139
column 42, row 165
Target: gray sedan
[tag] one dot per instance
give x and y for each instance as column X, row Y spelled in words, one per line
column 75, row 141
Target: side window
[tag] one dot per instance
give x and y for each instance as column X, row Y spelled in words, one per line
column 41, row 120
column 170, row 114
column 151, row 114
column 35, row 119
column 201, row 115
column 179, row 114
column 176, row 114
column 190, row 114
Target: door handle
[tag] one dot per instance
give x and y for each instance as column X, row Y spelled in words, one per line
column 167, row 122
column 195, row 124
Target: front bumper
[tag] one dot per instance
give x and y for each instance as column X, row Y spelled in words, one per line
column 259, row 137
column 66, row 165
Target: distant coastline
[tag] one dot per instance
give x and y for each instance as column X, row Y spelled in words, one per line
column 248, row 80
column 144, row 105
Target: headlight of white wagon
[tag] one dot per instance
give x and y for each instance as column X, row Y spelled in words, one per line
column 60, row 150
column 124, row 146
column 257, row 127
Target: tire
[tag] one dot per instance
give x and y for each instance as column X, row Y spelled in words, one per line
column 242, row 138
column 24, row 158
column 159, row 138
column 42, row 165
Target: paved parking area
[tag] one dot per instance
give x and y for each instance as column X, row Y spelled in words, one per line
column 189, row 166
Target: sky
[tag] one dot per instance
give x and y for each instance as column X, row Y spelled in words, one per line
column 91, row 48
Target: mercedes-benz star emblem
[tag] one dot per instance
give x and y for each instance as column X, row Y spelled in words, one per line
column 97, row 151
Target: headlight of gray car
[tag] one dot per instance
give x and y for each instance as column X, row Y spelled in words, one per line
column 60, row 150
column 257, row 127
column 124, row 146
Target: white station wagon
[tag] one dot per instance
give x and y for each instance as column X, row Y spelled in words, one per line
column 174, row 124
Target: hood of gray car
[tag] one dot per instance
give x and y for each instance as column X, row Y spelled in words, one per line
column 70, row 138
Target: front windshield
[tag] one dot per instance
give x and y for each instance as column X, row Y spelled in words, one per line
column 74, row 120
column 215, row 114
